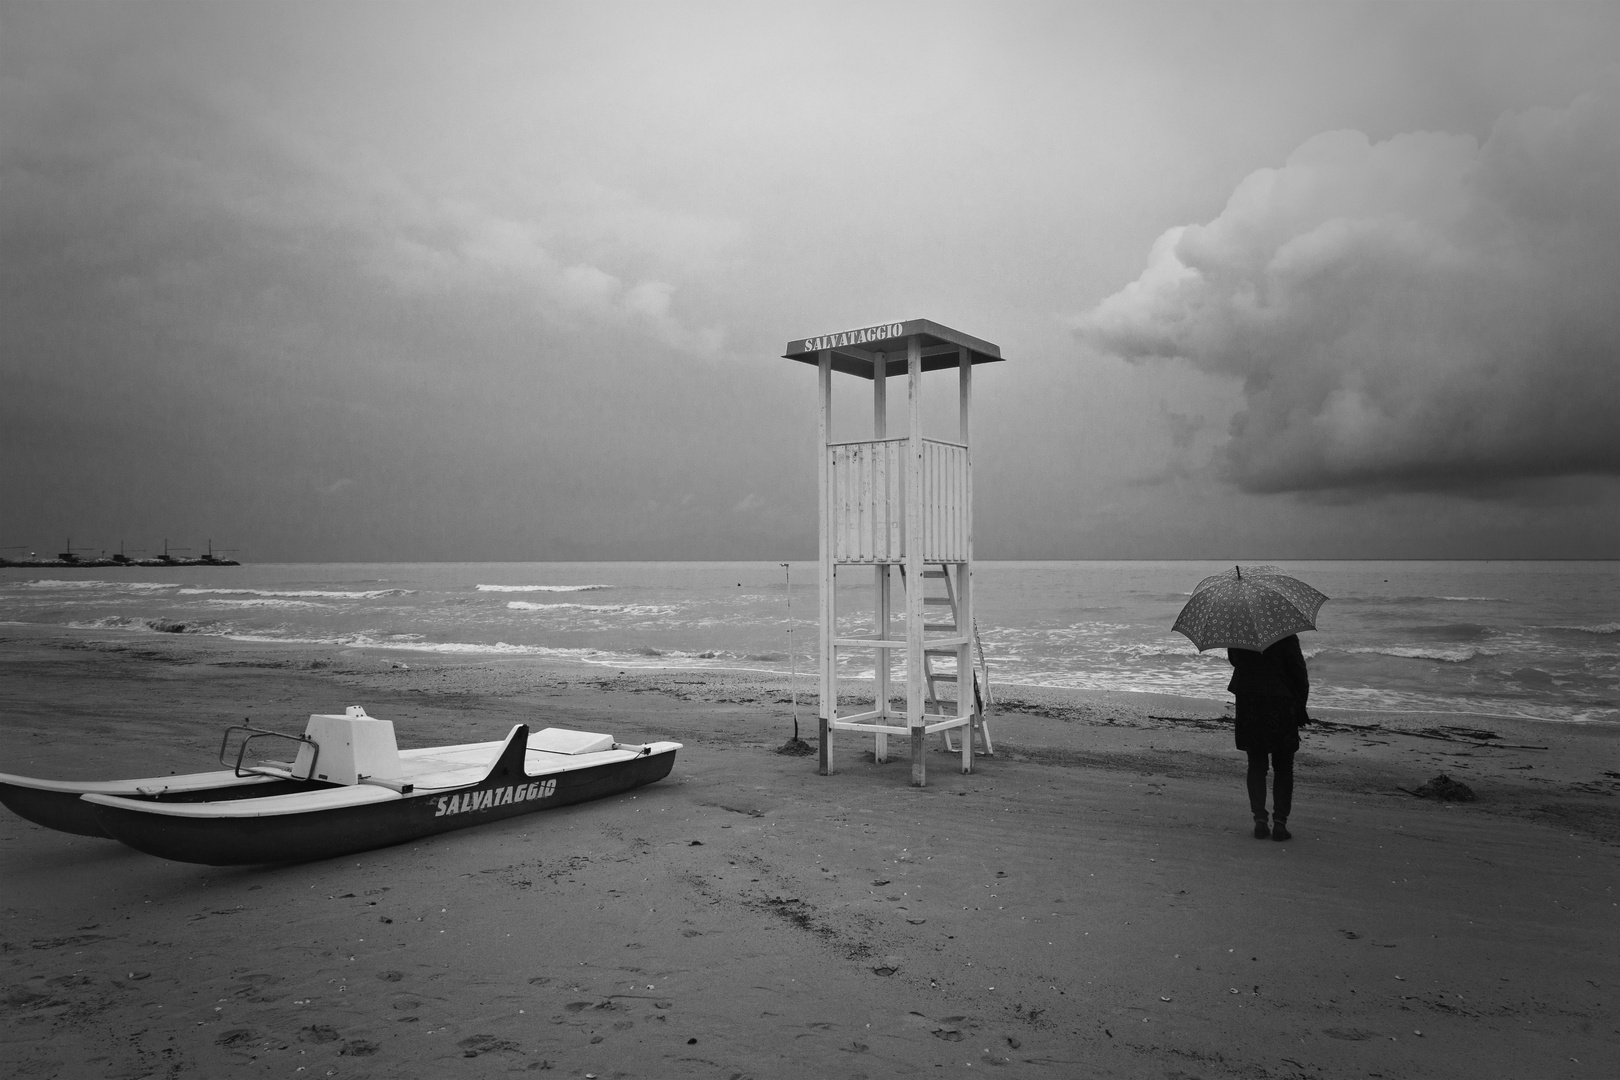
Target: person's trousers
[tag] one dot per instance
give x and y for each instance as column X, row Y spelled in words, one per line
column 1282, row 784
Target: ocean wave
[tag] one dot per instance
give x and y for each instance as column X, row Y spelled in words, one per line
column 1459, row 655
column 1600, row 628
column 93, row 583
column 1395, row 701
column 363, row 641
column 1385, row 601
column 261, row 602
column 625, row 609
column 1183, row 651
column 323, row 594
column 645, row 658
column 409, row 643
column 1322, row 696
column 636, row 656
column 540, row 588
column 1179, row 684
column 155, row 625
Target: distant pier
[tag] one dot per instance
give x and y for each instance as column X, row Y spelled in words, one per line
column 71, row 559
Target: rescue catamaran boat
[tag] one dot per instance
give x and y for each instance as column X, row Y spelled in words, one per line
column 348, row 788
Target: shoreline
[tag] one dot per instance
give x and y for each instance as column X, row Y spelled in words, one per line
column 1087, row 902
column 1356, row 749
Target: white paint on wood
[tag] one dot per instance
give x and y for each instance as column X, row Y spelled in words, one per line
column 882, row 537
column 906, row 502
column 867, row 495
column 829, row 672
column 914, row 563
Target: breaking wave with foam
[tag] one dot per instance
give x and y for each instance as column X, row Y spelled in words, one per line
column 541, row 588
column 261, row 602
column 1459, row 655
column 625, row 609
column 124, row 622
column 83, row 584
column 326, row 594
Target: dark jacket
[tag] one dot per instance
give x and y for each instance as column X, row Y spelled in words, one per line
column 1277, row 672
column 1271, row 689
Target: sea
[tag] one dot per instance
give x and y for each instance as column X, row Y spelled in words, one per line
column 1530, row 640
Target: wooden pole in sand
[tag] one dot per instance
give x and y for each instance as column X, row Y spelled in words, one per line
column 793, row 658
column 964, row 571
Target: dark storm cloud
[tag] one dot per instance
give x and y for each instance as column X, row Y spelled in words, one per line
column 1421, row 313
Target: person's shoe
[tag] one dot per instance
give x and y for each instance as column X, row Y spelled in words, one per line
column 1279, row 831
column 1261, row 829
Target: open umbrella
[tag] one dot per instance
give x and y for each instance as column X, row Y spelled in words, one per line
column 1250, row 607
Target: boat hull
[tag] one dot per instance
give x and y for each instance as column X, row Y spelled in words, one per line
column 59, row 810
column 508, row 791
column 60, row 805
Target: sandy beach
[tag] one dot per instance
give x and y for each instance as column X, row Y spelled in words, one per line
column 1088, row 902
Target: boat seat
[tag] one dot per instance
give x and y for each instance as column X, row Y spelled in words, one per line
column 353, row 747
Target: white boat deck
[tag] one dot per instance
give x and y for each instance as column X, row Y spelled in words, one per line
column 440, row 767
column 430, row 771
column 301, row 802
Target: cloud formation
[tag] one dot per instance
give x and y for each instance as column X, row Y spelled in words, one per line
column 1423, row 313
column 177, row 207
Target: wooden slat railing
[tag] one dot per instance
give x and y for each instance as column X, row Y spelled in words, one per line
column 866, row 490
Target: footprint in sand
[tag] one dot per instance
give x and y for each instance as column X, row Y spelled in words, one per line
column 474, row 1045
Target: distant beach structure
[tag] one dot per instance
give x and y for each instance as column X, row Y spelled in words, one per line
column 70, row 558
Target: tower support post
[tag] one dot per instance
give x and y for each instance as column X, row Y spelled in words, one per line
column 914, row 563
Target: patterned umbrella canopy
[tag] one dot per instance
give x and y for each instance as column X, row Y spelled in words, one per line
column 1248, row 607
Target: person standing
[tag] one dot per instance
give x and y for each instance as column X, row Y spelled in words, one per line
column 1271, row 689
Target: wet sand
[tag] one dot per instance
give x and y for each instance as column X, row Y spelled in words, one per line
column 1088, row 902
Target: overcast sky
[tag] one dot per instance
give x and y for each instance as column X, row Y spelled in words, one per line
column 485, row 281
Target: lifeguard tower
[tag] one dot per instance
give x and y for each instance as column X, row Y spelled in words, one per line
column 900, row 502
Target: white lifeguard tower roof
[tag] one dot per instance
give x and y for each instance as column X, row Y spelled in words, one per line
column 853, row 351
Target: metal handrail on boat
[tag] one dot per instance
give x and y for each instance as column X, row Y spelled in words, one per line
column 262, row 770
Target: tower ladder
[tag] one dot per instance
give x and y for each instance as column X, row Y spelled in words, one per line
column 935, row 705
